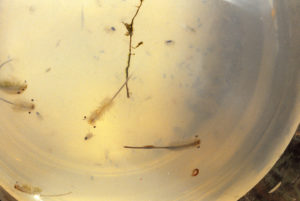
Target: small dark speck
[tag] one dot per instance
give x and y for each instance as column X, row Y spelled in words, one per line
column 39, row 115
column 32, row 99
column 29, row 112
column 94, row 126
column 170, row 42
column 92, row 178
column 113, row 28
column 48, row 70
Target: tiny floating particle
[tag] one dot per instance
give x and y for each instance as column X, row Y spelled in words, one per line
column 138, row 45
column 195, row 172
column 39, row 115
column 31, row 9
column 88, row 136
column 110, row 29
column 169, row 42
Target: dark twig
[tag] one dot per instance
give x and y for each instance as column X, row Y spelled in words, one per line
column 172, row 147
column 129, row 28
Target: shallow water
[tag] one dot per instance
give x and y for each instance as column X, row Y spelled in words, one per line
column 209, row 70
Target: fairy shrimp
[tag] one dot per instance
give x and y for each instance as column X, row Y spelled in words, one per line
column 33, row 190
column 88, row 136
column 12, row 87
column 20, row 105
column 23, row 106
column 105, row 105
column 25, row 188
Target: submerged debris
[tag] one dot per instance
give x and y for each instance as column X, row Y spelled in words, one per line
column 275, row 188
column 13, row 87
column 171, row 147
column 48, row 70
column 32, row 190
column 129, row 33
column 139, row 44
column 195, row 172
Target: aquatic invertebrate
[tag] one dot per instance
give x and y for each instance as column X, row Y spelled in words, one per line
column 12, row 87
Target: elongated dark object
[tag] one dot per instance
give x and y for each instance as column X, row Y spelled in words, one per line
column 195, row 143
column 5, row 62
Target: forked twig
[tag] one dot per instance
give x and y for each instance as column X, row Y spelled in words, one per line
column 129, row 33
